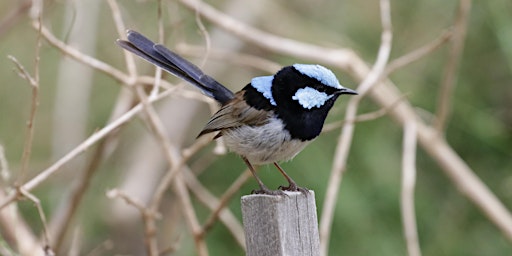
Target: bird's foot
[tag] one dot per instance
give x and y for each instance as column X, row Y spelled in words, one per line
column 294, row 188
column 265, row 191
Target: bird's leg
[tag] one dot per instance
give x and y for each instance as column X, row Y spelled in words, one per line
column 263, row 189
column 292, row 185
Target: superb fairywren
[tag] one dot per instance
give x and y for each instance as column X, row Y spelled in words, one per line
column 271, row 119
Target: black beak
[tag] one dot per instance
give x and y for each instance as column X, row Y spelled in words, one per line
column 347, row 91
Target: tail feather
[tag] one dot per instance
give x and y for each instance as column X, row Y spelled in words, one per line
column 171, row 62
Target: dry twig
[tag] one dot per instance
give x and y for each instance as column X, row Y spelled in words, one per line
column 29, row 135
column 450, row 72
column 417, row 54
column 93, row 139
column 408, row 184
column 42, row 217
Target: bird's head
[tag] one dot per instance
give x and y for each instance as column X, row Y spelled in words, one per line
column 301, row 95
column 302, row 87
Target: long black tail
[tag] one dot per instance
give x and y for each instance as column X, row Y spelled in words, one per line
column 171, row 62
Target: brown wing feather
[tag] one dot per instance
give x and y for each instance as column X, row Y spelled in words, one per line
column 234, row 114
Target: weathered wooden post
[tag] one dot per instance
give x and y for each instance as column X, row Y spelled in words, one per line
column 281, row 225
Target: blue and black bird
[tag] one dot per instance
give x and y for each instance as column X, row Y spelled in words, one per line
column 270, row 120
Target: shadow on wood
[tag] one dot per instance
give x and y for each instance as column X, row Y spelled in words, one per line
column 281, row 225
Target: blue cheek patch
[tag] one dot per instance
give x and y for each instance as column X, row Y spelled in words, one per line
column 320, row 73
column 310, row 98
column 263, row 84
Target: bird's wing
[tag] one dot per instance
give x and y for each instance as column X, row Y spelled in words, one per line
column 234, row 114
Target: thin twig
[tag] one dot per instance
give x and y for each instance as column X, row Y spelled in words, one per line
column 158, row 71
column 408, row 184
column 450, row 72
column 61, row 220
column 206, row 36
column 116, row 193
column 148, row 217
column 121, row 31
column 238, row 59
column 364, row 117
column 190, row 216
column 209, row 200
column 419, row 53
column 29, row 134
column 340, row 57
column 17, row 232
column 345, row 139
column 83, row 58
column 42, row 217
column 82, row 147
column 225, row 198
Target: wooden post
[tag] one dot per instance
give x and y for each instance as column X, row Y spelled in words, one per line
column 281, row 225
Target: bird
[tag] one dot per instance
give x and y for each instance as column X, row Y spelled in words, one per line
column 270, row 120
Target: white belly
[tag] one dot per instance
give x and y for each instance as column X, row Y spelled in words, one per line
column 264, row 144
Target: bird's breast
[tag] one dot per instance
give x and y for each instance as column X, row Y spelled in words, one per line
column 263, row 144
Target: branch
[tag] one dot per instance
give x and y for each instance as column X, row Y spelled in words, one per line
column 93, row 139
column 29, row 134
column 83, row 58
column 408, row 184
column 363, row 117
column 450, row 72
column 340, row 57
column 419, row 53
column 148, row 217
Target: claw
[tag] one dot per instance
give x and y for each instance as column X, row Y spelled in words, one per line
column 294, row 188
column 266, row 191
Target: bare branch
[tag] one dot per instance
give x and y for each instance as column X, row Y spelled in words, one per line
column 364, row 117
column 61, row 220
column 417, row 54
column 15, row 229
column 22, row 71
column 189, row 214
column 217, row 205
column 234, row 57
column 408, row 184
column 148, row 216
column 34, row 82
column 340, row 57
column 93, row 139
column 83, row 58
column 42, row 216
column 450, row 72
column 121, row 31
column 116, row 193
column 225, row 198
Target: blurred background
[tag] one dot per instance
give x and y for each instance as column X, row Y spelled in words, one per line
column 76, row 100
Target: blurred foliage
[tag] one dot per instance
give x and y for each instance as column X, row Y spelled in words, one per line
column 368, row 220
